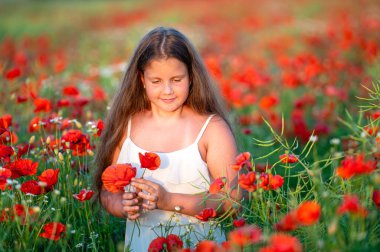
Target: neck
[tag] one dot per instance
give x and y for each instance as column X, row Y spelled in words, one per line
column 168, row 116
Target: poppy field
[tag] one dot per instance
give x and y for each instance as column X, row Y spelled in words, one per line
column 301, row 80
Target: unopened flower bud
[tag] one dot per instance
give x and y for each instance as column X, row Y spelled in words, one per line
column 31, row 139
column 376, row 178
column 60, row 156
column 78, row 124
column 36, row 209
column 332, row 227
column 90, row 152
column 42, row 184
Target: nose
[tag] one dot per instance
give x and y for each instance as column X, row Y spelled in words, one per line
column 168, row 89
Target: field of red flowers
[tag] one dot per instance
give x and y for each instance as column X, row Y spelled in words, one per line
column 301, row 79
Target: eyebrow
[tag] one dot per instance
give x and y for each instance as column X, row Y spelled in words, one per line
column 176, row 76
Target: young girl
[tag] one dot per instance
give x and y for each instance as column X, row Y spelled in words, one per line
column 167, row 104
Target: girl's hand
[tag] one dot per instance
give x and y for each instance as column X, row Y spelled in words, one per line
column 154, row 195
column 131, row 205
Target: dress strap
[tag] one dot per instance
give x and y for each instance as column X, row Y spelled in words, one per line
column 129, row 127
column 203, row 128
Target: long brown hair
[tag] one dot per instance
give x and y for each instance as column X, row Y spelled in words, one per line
column 130, row 98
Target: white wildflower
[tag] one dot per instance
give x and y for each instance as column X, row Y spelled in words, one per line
column 335, row 141
column 313, row 138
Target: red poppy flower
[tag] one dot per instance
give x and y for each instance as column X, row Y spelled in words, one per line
column 99, row 127
column 268, row 101
column 24, row 148
column 351, row 204
column 116, row 177
column 290, row 79
column 73, row 136
column 352, row 166
column 31, row 187
column 65, row 124
column 375, row 198
column 206, row 246
column 239, row 222
column 217, row 185
column 53, row 231
column 150, row 160
column 79, row 142
column 81, row 101
column 283, row 242
column 50, row 177
column 19, row 209
column 245, row 235
column 5, row 121
column 5, row 153
column 42, row 105
column 275, row 182
column 83, row 195
column 60, row 65
column 264, row 178
column 248, row 181
column 242, row 160
column 157, row 244
column 8, row 137
column 288, row 223
column 375, row 115
column 226, row 246
column 235, row 167
column 98, row 94
column 4, row 175
column 63, row 103
column 13, row 73
column 34, row 124
column 206, row 214
column 70, row 91
column 4, row 216
column 174, row 242
column 308, row 213
column 288, row 158
column 22, row 167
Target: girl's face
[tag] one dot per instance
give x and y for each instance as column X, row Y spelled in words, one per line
column 166, row 84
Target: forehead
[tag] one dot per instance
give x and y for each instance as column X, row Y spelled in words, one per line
column 166, row 66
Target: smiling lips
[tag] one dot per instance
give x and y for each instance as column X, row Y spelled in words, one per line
column 168, row 100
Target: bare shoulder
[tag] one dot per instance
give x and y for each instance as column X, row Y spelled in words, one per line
column 218, row 127
column 218, row 136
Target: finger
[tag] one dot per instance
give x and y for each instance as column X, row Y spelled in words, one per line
column 149, row 197
column 129, row 195
column 149, row 205
column 133, row 216
column 133, row 208
column 144, row 187
column 144, row 181
column 132, row 202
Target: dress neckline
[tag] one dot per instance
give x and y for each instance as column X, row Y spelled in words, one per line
column 161, row 152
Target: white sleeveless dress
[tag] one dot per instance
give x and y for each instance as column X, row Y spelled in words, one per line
column 181, row 171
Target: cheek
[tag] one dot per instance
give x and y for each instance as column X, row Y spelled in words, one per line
column 152, row 91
